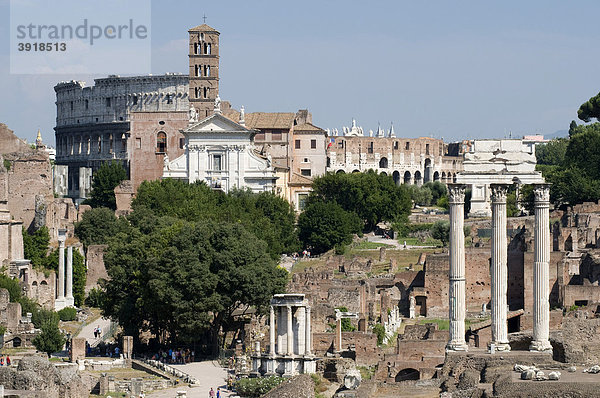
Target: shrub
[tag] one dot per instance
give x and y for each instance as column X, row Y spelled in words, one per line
column 42, row 316
column 67, row 314
column 50, row 339
column 95, row 298
column 379, row 330
column 257, row 387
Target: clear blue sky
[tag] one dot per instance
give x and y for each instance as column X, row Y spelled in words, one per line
column 451, row 69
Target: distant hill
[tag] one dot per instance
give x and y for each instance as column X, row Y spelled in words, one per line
column 557, row 134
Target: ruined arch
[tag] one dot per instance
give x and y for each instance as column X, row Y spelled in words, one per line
column 407, row 177
column 396, row 177
column 418, row 178
column 436, row 176
column 383, row 163
column 407, row 374
column 340, row 172
column 355, row 171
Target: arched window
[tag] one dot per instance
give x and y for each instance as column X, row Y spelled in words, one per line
column 161, row 142
column 383, row 163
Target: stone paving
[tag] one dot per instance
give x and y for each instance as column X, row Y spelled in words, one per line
column 88, row 330
column 208, row 373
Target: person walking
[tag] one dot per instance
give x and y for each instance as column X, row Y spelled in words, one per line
column 211, row 393
column 218, row 393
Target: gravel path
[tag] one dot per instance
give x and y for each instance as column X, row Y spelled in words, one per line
column 208, row 373
column 88, row 330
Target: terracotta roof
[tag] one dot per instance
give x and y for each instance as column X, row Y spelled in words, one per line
column 308, row 127
column 232, row 114
column 298, row 179
column 203, row 28
column 270, row 120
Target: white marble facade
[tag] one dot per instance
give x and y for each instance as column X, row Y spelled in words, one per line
column 221, row 153
column 496, row 161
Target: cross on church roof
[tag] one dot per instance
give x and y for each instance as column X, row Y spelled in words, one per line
column 204, row 17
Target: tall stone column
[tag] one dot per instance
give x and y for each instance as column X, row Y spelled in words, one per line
column 60, row 293
column 499, row 269
column 281, row 330
column 272, row 332
column 69, row 299
column 456, row 291
column 541, row 279
column 301, row 336
column 290, row 331
column 308, row 337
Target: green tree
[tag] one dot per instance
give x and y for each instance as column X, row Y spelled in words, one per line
column 99, row 225
column 104, row 182
column 511, row 204
column 440, row 230
column 50, row 339
column 373, row 197
column 590, row 109
column 438, row 190
column 552, row 153
column 421, row 195
column 583, row 151
column 325, row 225
column 266, row 215
column 13, row 287
column 182, row 280
column 35, row 245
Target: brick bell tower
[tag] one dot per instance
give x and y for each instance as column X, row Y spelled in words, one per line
column 204, row 69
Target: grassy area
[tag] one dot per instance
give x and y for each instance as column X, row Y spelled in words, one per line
column 366, row 245
column 123, row 373
column 316, row 264
column 367, row 372
column 410, row 241
column 443, row 324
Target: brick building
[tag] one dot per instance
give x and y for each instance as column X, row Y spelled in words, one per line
column 94, row 124
column 407, row 160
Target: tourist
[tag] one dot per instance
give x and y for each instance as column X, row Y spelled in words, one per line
column 7, row 360
column 218, row 393
column 1, row 361
column 211, row 393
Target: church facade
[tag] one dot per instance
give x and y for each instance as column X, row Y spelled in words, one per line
column 221, row 153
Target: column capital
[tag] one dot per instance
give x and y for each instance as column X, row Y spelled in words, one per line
column 541, row 193
column 456, row 193
column 499, row 192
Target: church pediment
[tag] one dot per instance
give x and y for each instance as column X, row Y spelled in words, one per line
column 217, row 123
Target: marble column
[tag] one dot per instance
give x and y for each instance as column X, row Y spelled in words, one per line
column 301, row 333
column 541, row 282
column 272, row 332
column 290, row 331
column 69, row 299
column 456, row 291
column 60, row 292
column 308, row 337
column 281, row 327
column 499, row 268
column 338, row 334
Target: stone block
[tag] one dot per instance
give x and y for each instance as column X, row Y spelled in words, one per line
column 77, row 348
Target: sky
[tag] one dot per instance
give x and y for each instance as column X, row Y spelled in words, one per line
column 447, row 69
